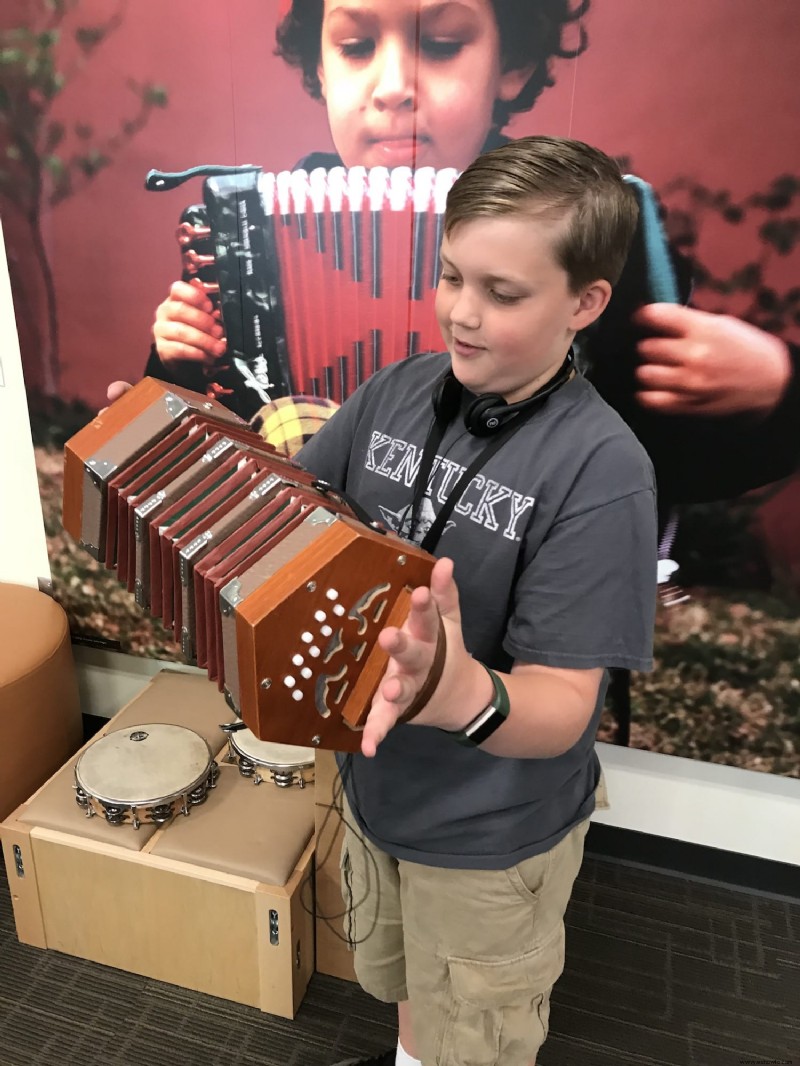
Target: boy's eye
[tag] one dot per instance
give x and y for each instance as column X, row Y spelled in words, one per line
column 357, row 48
column 504, row 297
column 441, row 47
column 451, row 279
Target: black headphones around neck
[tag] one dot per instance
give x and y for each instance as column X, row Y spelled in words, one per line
column 489, row 413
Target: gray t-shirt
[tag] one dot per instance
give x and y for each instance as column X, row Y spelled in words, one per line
column 554, row 545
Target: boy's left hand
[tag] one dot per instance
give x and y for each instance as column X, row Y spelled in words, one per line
column 411, row 651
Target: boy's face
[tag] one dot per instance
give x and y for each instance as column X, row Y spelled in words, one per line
column 412, row 82
column 504, row 304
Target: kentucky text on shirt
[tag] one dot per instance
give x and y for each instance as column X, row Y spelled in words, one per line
column 485, row 501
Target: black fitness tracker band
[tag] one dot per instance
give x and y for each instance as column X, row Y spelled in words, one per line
column 490, row 718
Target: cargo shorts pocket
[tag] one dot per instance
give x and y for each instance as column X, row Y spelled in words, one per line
column 500, row 1009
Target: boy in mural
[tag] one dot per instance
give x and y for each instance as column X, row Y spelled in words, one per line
column 405, row 83
column 413, row 82
column 714, row 401
column 466, row 825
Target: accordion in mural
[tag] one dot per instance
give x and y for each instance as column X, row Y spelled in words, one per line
column 322, row 278
column 271, row 581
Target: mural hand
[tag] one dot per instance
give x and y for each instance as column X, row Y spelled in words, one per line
column 708, row 364
column 186, row 328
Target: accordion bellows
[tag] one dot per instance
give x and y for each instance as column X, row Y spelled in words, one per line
column 266, row 577
column 322, row 277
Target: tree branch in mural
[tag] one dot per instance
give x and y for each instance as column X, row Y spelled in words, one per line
column 43, row 161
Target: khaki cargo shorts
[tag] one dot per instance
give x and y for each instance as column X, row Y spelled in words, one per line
column 476, row 952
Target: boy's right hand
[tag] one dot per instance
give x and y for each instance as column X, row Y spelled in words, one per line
column 117, row 389
column 114, row 391
column 186, row 328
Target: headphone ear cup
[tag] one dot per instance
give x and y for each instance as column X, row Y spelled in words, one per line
column 447, row 398
column 486, row 415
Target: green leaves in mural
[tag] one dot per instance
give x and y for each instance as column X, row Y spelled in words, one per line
column 771, row 213
column 781, row 234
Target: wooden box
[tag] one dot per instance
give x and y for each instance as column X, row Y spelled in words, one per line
column 220, row 901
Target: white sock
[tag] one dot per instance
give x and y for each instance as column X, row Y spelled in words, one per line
column 403, row 1057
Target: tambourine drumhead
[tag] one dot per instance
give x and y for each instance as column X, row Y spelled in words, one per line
column 145, row 765
column 274, row 756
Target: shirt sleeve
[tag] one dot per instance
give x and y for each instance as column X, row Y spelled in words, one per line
column 587, row 597
column 327, row 453
column 154, row 368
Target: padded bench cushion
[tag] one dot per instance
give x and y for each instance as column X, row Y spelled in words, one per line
column 255, row 831
column 179, row 698
column 171, row 696
column 54, row 807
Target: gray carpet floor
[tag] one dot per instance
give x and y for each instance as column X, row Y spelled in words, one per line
column 661, row 971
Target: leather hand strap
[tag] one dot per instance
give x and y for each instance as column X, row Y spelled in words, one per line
column 431, row 681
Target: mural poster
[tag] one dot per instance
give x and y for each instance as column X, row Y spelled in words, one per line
column 328, row 104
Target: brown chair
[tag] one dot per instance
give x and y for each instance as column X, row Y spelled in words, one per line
column 40, row 716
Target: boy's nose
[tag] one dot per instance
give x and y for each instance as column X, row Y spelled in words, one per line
column 396, row 83
column 464, row 314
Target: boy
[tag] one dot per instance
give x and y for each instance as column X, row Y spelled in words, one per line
column 461, row 849
column 405, row 82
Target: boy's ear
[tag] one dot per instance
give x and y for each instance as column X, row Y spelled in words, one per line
column 512, row 82
column 321, row 78
column 593, row 301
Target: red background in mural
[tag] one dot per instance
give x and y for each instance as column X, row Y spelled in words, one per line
column 699, row 89
column 706, row 89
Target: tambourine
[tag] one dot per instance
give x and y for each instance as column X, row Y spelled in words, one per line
column 283, row 764
column 148, row 773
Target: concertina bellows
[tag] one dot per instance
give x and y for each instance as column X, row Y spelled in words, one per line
column 267, row 578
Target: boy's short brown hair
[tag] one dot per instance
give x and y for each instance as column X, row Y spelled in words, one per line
column 555, row 177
